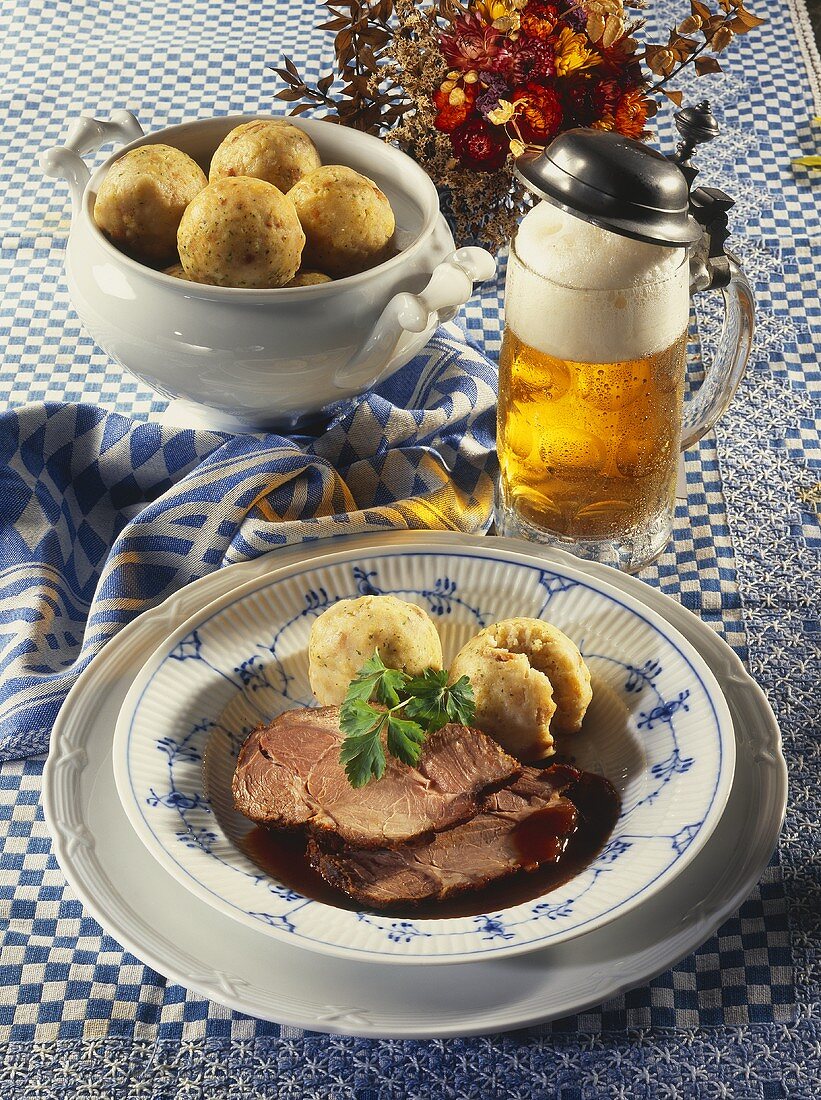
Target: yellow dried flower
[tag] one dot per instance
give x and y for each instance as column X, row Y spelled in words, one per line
column 457, row 97
column 502, row 114
column 572, row 54
column 471, row 77
column 517, row 147
column 491, row 10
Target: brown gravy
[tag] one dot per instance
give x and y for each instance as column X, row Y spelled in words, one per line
column 282, row 855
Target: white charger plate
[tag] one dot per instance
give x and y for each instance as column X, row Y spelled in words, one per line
column 658, row 728
column 153, row 916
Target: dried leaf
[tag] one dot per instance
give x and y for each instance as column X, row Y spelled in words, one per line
column 664, row 62
column 677, row 97
column 690, row 24
column 342, row 42
column 721, row 39
column 706, row 65
column 711, row 25
column 289, row 78
column 595, row 26
column 808, row 162
column 699, row 9
column 748, row 19
column 366, row 58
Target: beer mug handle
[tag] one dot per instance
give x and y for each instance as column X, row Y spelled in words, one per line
column 722, row 376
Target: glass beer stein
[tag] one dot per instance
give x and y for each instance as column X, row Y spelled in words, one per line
column 592, row 409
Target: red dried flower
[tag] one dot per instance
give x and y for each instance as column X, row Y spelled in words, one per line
column 478, row 146
column 538, row 114
column 539, row 19
column 620, row 58
column 577, row 102
column 605, row 97
column 532, row 58
column 471, row 44
column 452, row 114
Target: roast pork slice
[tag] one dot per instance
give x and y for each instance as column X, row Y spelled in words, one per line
column 519, row 827
column 288, row 774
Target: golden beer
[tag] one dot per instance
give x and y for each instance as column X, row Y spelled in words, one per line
column 591, row 388
column 589, row 450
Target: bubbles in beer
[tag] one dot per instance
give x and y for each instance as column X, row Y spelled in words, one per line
column 537, row 508
column 572, row 453
column 639, row 455
column 540, row 378
column 667, row 374
column 611, row 386
column 598, row 451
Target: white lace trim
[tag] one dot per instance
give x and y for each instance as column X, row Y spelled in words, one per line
column 809, row 49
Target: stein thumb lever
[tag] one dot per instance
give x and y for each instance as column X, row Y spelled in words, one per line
column 710, row 208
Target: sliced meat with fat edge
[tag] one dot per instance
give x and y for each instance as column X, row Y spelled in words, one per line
column 519, row 827
column 288, row 774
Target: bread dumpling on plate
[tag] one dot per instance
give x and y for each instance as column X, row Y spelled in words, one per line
column 309, row 278
column 348, row 222
column 142, row 199
column 241, row 232
column 177, row 270
column 269, row 149
column 345, row 636
column 530, row 682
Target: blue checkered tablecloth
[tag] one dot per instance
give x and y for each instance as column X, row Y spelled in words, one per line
column 740, row 1017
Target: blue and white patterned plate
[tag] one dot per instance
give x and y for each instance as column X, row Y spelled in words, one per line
column 658, row 728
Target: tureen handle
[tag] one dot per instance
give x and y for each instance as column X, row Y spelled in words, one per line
column 449, row 287
column 87, row 135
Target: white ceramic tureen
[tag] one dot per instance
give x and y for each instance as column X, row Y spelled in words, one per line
column 263, row 358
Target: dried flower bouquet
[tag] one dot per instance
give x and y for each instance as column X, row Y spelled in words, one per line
column 464, row 88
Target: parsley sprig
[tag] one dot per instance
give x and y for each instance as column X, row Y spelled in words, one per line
column 406, row 710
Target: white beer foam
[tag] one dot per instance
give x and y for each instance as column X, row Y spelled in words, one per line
column 589, row 295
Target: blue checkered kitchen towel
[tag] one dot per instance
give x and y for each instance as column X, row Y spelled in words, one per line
column 102, row 517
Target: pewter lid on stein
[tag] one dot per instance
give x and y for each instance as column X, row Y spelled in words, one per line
column 615, row 183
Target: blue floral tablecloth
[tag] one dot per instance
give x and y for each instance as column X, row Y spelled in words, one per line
column 740, row 1017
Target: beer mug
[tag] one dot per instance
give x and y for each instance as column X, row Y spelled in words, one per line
column 592, row 408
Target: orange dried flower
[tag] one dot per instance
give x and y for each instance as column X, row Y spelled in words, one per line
column 538, row 112
column 631, row 114
column 539, row 19
column 453, row 106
